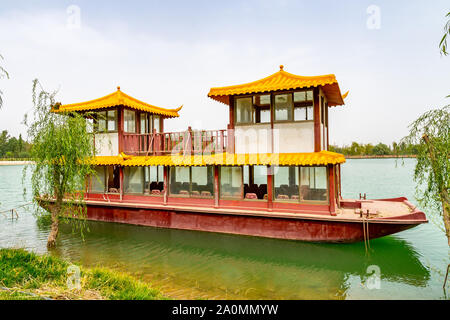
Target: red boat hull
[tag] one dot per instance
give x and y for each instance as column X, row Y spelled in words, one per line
column 270, row 227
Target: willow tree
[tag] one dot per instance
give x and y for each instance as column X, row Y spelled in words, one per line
column 443, row 44
column 3, row 74
column 431, row 134
column 61, row 149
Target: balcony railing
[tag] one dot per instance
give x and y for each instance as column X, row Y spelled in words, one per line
column 187, row 142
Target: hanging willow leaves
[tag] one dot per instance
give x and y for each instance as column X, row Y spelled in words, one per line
column 443, row 44
column 3, row 74
column 61, row 149
column 431, row 133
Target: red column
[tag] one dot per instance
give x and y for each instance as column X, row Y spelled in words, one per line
column 269, row 188
column 331, row 191
column 166, row 184
column 317, row 135
column 216, row 186
column 121, row 182
column 120, row 128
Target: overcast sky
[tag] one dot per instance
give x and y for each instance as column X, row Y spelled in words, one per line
column 169, row 53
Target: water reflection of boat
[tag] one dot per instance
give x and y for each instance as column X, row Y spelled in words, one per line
column 244, row 262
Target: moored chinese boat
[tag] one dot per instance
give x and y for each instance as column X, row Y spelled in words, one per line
column 268, row 174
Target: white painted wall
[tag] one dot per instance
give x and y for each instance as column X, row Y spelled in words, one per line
column 252, row 138
column 294, row 137
column 107, row 144
column 288, row 138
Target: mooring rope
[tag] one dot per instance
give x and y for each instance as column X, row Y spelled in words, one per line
column 14, row 210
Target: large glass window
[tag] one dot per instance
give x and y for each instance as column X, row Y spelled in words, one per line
column 313, row 184
column 192, row 181
column 133, row 179
column 202, row 182
column 244, row 110
column 285, row 183
column 230, row 182
column 255, row 182
column 283, row 107
column 98, row 180
column 129, row 121
column 154, row 180
column 179, row 181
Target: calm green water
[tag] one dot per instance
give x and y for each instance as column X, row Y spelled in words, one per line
column 187, row 264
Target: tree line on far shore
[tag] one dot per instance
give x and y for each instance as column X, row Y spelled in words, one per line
column 12, row 147
column 380, row 149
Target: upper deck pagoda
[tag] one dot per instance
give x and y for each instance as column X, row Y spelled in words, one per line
column 292, row 108
column 121, row 123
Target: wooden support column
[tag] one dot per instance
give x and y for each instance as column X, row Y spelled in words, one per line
column 317, row 135
column 166, row 184
column 121, row 182
column 216, row 186
column 269, row 188
column 120, row 128
column 230, row 127
column 331, row 190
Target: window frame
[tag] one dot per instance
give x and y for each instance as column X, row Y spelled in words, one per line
column 96, row 121
column 307, row 103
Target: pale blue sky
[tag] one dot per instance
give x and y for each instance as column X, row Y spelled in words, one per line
column 170, row 53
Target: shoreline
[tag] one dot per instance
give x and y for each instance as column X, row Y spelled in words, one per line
column 14, row 162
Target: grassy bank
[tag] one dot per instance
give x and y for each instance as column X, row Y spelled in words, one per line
column 30, row 276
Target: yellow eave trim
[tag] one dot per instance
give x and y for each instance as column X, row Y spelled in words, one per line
column 225, row 159
column 115, row 99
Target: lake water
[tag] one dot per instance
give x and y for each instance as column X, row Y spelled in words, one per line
column 190, row 265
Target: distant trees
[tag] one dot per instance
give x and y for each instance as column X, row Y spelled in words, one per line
column 12, row 147
column 380, row 149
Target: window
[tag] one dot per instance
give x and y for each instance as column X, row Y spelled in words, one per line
column 144, row 123
column 98, row 180
column 112, row 120
column 244, row 110
column 313, row 184
column 283, row 107
column 255, row 182
column 230, row 182
column 101, row 118
column 133, row 179
column 106, row 121
column 113, row 179
column 154, row 180
column 156, row 123
column 202, row 182
column 303, row 106
column 261, row 106
column 285, row 184
column 129, row 121
column 197, row 182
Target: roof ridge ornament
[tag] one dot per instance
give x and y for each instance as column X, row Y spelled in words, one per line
column 118, row 88
column 281, row 67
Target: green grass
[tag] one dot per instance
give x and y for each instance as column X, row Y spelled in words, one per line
column 46, row 276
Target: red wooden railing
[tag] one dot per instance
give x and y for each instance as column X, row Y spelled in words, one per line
column 187, row 142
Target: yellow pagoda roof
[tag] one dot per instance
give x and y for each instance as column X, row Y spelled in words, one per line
column 282, row 80
column 117, row 98
column 225, row 159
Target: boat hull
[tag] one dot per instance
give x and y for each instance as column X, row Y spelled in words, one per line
column 270, row 227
